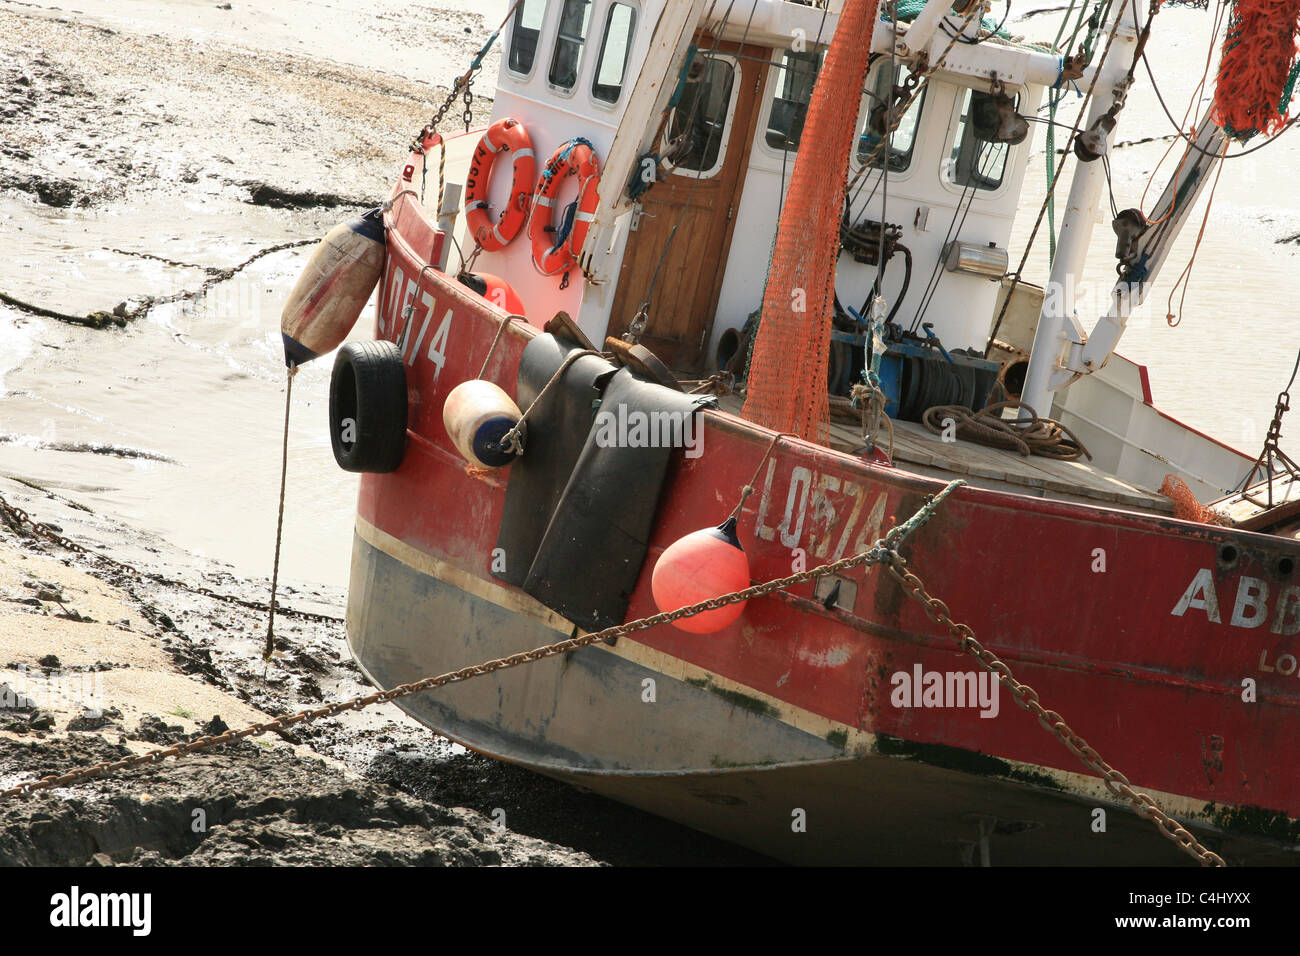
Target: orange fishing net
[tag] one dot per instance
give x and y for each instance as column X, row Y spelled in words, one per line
column 1253, row 89
column 787, row 377
column 1186, row 507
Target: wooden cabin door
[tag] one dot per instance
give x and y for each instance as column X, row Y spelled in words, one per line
column 686, row 219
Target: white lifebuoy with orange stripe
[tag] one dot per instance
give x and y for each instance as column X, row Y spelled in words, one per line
column 556, row 248
column 505, row 135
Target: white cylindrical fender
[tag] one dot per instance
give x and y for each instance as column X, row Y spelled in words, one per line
column 477, row 415
column 333, row 289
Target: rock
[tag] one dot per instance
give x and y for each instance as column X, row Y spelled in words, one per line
column 155, row 730
column 488, row 856
column 41, row 720
column 49, row 660
column 11, row 699
column 49, row 594
column 101, row 859
column 215, row 726
column 84, row 722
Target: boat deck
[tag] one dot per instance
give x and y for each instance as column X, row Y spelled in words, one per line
column 925, row 453
column 1251, row 509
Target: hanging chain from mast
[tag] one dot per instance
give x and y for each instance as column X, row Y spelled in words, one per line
column 460, row 87
column 1272, row 453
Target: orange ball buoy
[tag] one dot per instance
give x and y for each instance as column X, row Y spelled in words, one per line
column 703, row 565
column 495, row 289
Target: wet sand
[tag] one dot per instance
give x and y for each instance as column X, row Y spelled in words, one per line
column 143, row 146
column 98, row 662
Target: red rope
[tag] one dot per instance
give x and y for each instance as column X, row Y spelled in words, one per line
column 787, row 377
column 1258, row 50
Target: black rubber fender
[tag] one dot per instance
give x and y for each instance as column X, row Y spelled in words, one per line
column 368, row 407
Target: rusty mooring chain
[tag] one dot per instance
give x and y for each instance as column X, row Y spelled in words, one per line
column 884, row 551
column 18, row 519
column 1027, row 698
column 880, row 552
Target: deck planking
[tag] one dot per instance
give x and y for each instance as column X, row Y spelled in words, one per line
column 927, row 454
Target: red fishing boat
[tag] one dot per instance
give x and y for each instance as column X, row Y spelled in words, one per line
column 680, row 224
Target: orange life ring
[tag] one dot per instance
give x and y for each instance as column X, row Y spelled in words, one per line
column 505, row 135
column 556, row 248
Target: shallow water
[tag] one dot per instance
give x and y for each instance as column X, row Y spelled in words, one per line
column 201, row 384
column 1221, row 368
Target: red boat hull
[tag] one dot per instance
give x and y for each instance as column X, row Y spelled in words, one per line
column 1146, row 634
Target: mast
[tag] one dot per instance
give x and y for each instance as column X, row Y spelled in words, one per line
column 1058, row 326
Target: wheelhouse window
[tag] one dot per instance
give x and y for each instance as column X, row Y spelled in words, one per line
column 524, row 31
column 903, row 141
column 569, row 41
column 976, row 161
column 794, row 85
column 615, row 52
column 698, row 123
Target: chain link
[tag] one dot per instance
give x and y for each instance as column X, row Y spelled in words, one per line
column 885, row 552
column 18, row 519
column 879, row 553
column 1027, row 698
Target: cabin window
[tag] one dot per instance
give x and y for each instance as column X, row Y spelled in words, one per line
column 794, row 86
column 975, row 162
column 700, row 120
column 523, row 35
column 903, row 141
column 569, row 41
column 615, row 52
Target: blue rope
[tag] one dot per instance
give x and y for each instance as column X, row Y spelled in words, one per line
column 562, row 155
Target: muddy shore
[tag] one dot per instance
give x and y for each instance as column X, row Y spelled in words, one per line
column 145, row 150
column 102, row 660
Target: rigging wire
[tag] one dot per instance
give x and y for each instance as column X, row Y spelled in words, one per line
column 1051, row 189
column 1191, row 141
column 954, row 230
column 1192, row 111
column 889, row 147
column 1184, row 278
column 1110, row 186
column 961, row 37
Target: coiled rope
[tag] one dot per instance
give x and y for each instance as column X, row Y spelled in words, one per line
column 1034, row 435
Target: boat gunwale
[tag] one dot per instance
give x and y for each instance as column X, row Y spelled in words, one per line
column 892, row 474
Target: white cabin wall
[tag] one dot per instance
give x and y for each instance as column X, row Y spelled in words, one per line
column 552, row 117
column 962, row 307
